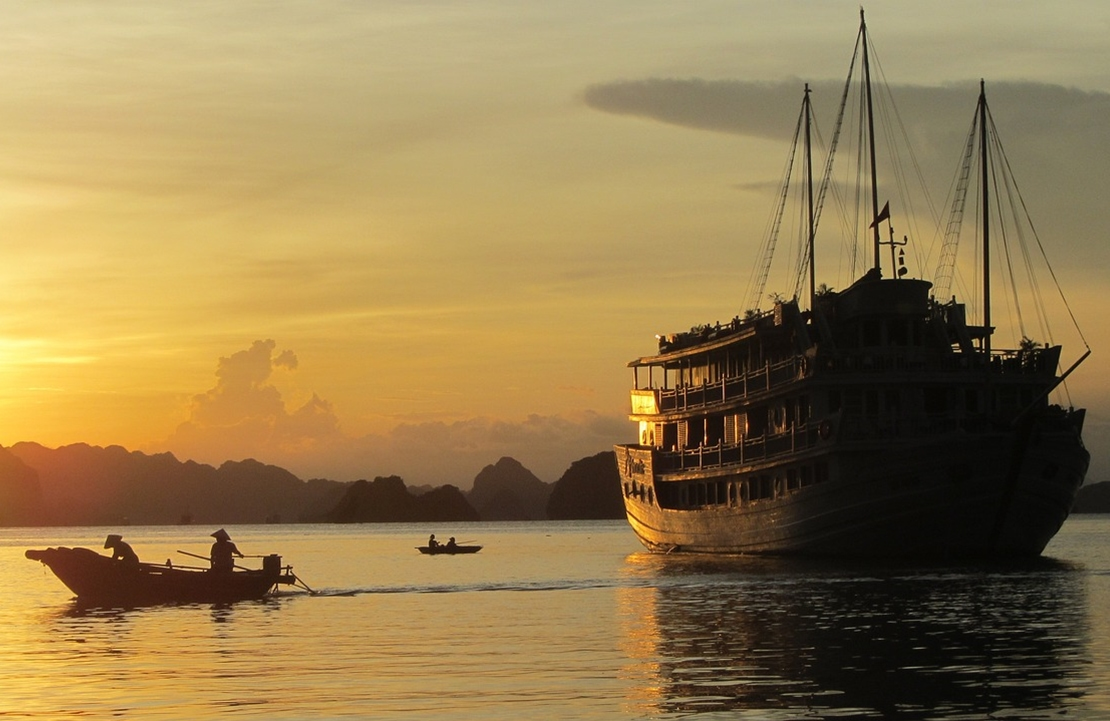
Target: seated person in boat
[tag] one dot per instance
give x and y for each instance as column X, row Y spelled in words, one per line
column 432, row 542
column 451, row 545
column 122, row 551
column 223, row 551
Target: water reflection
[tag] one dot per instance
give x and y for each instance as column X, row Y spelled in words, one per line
column 783, row 639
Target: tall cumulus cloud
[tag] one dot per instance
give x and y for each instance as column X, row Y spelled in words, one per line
column 245, row 416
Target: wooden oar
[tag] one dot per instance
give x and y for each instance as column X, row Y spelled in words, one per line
column 301, row 583
column 206, row 558
column 169, row 565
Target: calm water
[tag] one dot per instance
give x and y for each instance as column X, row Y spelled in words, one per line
column 567, row 621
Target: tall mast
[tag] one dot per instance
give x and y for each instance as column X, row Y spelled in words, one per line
column 809, row 193
column 870, row 136
column 984, row 169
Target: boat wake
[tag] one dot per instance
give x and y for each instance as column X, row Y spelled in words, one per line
column 505, row 586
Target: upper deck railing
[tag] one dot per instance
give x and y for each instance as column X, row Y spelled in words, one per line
column 777, row 375
column 797, row 439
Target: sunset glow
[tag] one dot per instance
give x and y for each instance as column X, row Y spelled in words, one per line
column 393, row 238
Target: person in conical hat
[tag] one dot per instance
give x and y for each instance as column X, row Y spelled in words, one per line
column 223, row 551
column 121, row 551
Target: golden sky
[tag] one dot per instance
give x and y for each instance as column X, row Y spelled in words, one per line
column 358, row 239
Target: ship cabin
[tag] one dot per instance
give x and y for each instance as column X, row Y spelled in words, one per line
column 880, row 359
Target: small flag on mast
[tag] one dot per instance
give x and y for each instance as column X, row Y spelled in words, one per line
column 884, row 214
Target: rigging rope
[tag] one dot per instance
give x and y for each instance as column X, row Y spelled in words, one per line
column 772, row 234
column 946, row 266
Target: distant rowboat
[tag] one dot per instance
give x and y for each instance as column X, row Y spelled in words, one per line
column 447, row 550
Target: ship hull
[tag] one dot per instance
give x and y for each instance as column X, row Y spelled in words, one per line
column 956, row 495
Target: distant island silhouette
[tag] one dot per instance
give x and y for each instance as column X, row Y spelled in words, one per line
column 81, row 484
column 1093, row 498
column 88, row 485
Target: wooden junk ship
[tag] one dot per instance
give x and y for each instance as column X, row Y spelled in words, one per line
column 877, row 421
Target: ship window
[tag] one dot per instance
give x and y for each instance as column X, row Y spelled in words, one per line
column 898, row 333
column 871, row 399
column 669, row 435
column 872, row 334
column 757, row 423
column 936, row 401
column 714, row 430
column 731, row 436
column 668, row 496
column 776, row 419
column 1007, row 399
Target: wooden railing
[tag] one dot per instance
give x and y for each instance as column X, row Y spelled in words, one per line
column 760, row 380
column 802, row 438
column 775, row 375
column 750, row 450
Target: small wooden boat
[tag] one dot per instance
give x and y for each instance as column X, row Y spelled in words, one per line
column 101, row 581
column 447, row 550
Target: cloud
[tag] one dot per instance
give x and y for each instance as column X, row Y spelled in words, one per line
column 729, row 106
column 769, row 109
column 245, row 413
column 245, row 416
column 1056, row 137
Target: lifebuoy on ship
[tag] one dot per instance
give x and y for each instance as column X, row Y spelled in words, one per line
column 825, row 430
